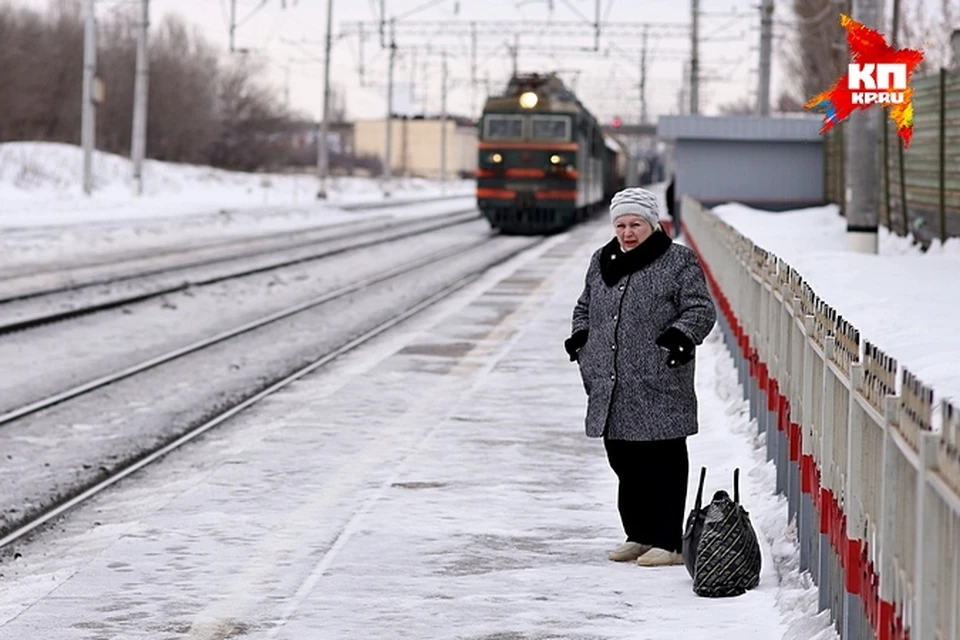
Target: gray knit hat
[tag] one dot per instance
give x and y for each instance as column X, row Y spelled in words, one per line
column 637, row 202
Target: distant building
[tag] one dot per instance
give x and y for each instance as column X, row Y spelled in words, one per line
column 767, row 163
column 415, row 145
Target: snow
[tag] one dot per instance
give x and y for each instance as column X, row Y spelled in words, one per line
column 44, row 215
column 903, row 300
column 40, row 184
column 436, row 483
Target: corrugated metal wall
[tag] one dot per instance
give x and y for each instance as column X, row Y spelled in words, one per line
column 930, row 179
column 774, row 175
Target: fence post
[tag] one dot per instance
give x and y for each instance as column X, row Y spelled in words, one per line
column 852, row 492
column 927, row 539
column 826, row 462
column 888, row 500
column 807, row 527
column 943, row 155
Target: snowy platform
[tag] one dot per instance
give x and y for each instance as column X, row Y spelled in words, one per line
column 435, row 484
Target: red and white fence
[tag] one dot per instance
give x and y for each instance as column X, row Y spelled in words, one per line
column 873, row 487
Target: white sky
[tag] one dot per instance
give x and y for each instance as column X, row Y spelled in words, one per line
column 293, row 38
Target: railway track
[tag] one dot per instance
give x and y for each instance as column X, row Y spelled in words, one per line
column 482, row 256
column 36, row 307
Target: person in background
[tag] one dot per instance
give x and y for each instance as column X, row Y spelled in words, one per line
column 645, row 307
column 671, row 198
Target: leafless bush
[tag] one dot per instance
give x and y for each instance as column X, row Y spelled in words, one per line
column 200, row 108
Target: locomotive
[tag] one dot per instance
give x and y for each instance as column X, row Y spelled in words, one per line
column 545, row 163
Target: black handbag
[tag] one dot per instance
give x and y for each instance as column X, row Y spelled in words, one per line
column 726, row 558
column 691, row 533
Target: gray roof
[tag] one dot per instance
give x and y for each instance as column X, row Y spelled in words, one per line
column 799, row 128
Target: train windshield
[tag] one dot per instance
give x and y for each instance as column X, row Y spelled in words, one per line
column 554, row 128
column 503, row 127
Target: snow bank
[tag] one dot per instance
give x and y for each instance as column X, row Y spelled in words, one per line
column 46, row 218
column 40, row 184
column 903, row 300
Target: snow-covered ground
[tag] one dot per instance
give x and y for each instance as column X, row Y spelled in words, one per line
column 434, row 484
column 903, row 300
column 40, row 184
column 45, row 217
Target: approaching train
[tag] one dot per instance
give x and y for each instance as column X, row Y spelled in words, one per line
column 545, row 164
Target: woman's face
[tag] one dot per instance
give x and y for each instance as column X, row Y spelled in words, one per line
column 631, row 231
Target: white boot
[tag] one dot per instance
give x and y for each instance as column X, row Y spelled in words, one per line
column 657, row 557
column 629, row 551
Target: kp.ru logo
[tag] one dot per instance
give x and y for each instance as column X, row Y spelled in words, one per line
column 864, row 80
column 878, row 75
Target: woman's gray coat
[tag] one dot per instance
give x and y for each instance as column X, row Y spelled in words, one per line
column 632, row 393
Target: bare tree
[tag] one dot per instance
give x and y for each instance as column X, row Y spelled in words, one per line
column 740, row 107
column 818, row 55
column 929, row 30
column 201, row 110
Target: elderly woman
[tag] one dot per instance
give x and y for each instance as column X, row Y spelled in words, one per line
column 644, row 308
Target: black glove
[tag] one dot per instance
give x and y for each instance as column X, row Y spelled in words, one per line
column 678, row 344
column 574, row 343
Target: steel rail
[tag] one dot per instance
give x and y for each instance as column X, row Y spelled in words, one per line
column 149, row 458
column 422, row 227
column 199, row 345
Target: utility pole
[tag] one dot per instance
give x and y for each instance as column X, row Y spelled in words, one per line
column 383, row 18
column 413, row 81
column 903, row 192
column 643, row 79
column 473, row 66
column 682, row 107
column 233, row 22
column 443, row 125
column 695, row 59
column 387, row 157
column 596, row 32
column 362, row 38
column 766, row 42
column 515, row 51
column 88, row 124
column 323, row 153
column 425, row 91
column 862, row 158
column 141, row 83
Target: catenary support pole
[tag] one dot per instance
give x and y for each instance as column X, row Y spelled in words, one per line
column 894, row 42
column 643, row 78
column 233, row 23
column 323, row 151
column 695, row 58
column 140, row 90
column 443, row 124
column 88, row 122
column 766, row 42
column 863, row 158
column 388, row 123
column 473, row 67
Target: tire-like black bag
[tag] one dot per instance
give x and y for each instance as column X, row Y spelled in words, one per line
column 691, row 534
column 726, row 553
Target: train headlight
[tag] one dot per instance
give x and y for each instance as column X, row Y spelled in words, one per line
column 495, row 158
column 528, row 99
column 556, row 159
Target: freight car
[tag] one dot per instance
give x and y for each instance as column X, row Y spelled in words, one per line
column 545, row 163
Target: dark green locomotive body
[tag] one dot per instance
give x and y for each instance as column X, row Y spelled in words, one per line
column 544, row 164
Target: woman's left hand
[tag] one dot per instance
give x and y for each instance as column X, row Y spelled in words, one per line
column 679, row 346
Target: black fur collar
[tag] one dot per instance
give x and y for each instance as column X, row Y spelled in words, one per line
column 614, row 263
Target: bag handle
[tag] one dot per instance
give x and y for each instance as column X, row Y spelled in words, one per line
column 703, row 476
column 736, row 485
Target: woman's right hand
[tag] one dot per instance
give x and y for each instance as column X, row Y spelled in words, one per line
column 574, row 343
